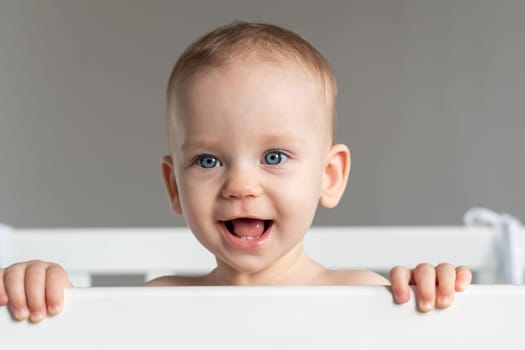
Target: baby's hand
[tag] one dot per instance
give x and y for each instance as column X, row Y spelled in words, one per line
column 435, row 286
column 33, row 289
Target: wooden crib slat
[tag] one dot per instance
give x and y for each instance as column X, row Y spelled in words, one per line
column 483, row 317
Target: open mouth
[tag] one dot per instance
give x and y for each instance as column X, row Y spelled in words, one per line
column 248, row 229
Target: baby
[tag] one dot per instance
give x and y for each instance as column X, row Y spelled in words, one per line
column 251, row 122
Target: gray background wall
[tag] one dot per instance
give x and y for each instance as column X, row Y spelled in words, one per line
column 431, row 105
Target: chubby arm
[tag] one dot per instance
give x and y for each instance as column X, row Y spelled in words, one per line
column 33, row 289
column 435, row 286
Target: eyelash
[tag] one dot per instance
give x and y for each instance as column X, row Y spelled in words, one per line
column 282, row 156
column 198, row 161
column 215, row 162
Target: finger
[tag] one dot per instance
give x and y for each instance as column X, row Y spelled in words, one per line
column 3, row 293
column 35, row 282
column 425, row 279
column 56, row 282
column 400, row 280
column 14, row 286
column 463, row 278
column 446, row 281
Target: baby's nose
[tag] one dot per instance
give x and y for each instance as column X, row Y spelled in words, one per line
column 241, row 183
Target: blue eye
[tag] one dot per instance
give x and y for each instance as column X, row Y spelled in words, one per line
column 274, row 157
column 207, row 161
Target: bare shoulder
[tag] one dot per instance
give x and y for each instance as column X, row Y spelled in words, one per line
column 166, row 281
column 351, row 277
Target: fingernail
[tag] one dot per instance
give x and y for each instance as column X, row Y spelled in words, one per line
column 55, row 309
column 37, row 317
column 462, row 286
column 426, row 306
column 443, row 300
column 401, row 297
column 21, row 314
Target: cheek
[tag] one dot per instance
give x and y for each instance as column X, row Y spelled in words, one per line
column 301, row 193
column 197, row 208
column 300, row 211
column 194, row 196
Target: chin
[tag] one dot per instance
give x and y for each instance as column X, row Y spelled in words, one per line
column 248, row 265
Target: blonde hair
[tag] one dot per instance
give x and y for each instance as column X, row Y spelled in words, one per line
column 223, row 44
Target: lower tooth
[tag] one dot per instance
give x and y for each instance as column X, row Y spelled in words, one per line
column 248, row 238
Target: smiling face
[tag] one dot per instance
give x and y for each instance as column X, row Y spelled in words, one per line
column 251, row 158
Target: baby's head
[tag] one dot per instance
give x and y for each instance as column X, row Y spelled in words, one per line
column 250, row 123
column 242, row 42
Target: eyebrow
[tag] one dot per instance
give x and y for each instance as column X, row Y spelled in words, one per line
column 270, row 138
column 281, row 137
column 273, row 139
column 199, row 144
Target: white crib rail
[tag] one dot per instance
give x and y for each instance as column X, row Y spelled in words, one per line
column 175, row 250
column 510, row 241
column 483, row 317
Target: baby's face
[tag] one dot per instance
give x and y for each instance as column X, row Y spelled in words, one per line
column 249, row 147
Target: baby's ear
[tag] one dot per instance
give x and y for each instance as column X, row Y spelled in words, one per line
column 168, row 173
column 335, row 175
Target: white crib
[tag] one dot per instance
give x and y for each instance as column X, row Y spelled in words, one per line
column 156, row 251
column 483, row 317
column 267, row 317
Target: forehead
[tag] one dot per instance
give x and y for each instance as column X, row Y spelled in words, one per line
column 273, row 93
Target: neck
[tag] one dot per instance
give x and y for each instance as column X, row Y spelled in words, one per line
column 295, row 268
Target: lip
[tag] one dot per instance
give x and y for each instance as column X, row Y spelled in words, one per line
column 244, row 244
